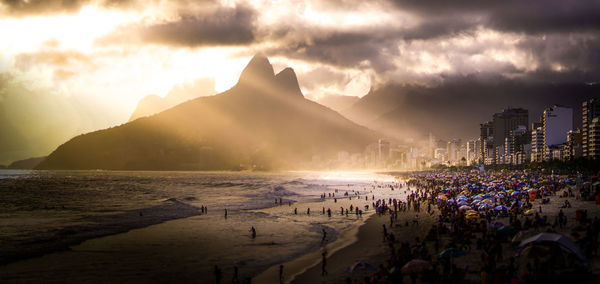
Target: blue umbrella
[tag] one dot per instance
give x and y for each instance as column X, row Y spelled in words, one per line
column 500, row 208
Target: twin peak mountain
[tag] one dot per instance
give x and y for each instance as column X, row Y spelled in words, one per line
column 263, row 122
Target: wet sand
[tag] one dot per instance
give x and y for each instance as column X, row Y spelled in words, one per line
column 366, row 244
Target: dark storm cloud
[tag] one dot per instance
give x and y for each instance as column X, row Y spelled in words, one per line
column 533, row 16
column 572, row 58
column 223, row 26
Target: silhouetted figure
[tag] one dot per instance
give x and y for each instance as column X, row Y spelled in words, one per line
column 253, row 231
column 384, row 232
column 235, row 275
column 324, row 263
column 217, row 274
column 295, row 211
column 281, row 274
column 225, row 213
column 324, row 236
column 308, row 211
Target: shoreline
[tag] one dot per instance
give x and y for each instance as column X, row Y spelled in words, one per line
column 369, row 248
column 301, row 264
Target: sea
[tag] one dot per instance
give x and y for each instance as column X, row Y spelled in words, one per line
column 138, row 226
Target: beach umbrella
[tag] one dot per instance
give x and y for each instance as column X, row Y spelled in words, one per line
column 471, row 216
column 464, row 207
column 500, row 208
column 450, row 201
column 415, row 266
column 488, row 201
column 462, row 203
column 361, row 265
column 529, row 212
column 451, row 252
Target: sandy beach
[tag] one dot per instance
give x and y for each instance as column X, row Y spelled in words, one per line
column 368, row 246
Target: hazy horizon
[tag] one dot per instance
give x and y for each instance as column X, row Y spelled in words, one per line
column 85, row 65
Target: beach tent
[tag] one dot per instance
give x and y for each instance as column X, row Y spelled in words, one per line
column 529, row 212
column 415, row 265
column 563, row 241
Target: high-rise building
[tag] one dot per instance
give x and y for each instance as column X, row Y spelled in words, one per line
column 590, row 110
column 537, row 143
column 514, row 145
column 557, row 121
column 453, row 150
column 487, row 138
column 384, row 152
column 473, row 151
column 593, row 147
column 506, row 121
column 573, row 148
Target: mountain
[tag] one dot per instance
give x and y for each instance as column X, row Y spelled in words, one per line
column 337, row 102
column 26, row 164
column 153, row 104
column 455, row 109
column 263, row 122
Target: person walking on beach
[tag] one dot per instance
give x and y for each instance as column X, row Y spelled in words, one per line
column 281, row 274
column 324, row 236
column 384, row 233
column 253, row 231
column 217, row 274
column 324, row 263
column 225, row 213
column 235, row 275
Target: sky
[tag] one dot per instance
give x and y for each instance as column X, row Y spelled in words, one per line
column 73, row 66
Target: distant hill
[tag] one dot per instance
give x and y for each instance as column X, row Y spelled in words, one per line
column 337, row 102
column 455, row 110
column 262, row 122
column 153, row 104
column 26, row 164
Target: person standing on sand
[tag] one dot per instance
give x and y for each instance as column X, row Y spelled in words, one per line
column 217, row 274
column 324, row 262
column 281, row 274
column 225, row 213
column 324, row 236
column 384, row 233
column 235, row 275
column 253, row 231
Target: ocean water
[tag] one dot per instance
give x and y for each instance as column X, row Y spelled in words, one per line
column 98, row 226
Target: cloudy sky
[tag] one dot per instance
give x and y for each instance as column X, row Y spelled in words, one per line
column 91, row 61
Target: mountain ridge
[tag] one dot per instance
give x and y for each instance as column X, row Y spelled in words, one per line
column 263, row 122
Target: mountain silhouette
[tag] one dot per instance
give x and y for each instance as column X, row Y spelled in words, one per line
column 455, row 109
column 152, row 104
column 262, row 122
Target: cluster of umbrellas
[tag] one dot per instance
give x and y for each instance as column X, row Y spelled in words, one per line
column 480, row 192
